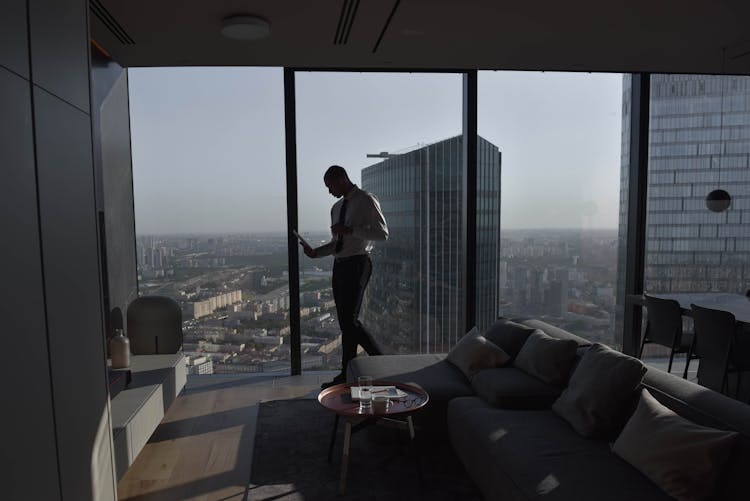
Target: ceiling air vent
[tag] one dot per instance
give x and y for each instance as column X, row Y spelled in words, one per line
column 103, row 15
column 385, row 26
column 348, row 11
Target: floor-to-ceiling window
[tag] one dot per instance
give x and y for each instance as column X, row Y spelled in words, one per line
column 558, row 137
column 209, row 191
column 699, row 142
column 210, row 196
column 399, row 137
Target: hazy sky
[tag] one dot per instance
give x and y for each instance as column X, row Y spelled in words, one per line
column 208, row 143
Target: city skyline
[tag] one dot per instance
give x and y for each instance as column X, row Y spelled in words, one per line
column 235, row 294
column 326, row 231
column 546, row 240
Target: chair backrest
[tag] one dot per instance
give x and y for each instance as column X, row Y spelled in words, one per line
column 664, row 321
column 714, row 332
column 154, row 325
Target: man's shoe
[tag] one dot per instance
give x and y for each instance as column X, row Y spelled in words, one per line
column 340, row 378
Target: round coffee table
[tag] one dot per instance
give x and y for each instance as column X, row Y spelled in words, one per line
column 338, row 399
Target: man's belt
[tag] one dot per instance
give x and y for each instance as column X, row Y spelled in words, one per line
column 355, row 257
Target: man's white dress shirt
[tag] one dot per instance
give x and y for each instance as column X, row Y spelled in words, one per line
column 364, row 217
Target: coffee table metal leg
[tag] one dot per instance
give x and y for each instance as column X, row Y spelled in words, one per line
column 333, row 437
column 413, row 447
column 411, row 427
column 345, row 457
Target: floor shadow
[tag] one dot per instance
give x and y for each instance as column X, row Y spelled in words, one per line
column 275, row 497
column 203, row 424
column 290, row 460
column 194, row 387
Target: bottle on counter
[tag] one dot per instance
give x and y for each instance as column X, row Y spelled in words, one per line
column 119, row 348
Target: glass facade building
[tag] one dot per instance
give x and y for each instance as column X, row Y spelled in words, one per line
column 699, row 141
column 414, row 301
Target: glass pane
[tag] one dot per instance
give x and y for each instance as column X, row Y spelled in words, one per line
column 622, row 234
column 209, row 189
column 411, row 123
column 558, row 136
column 699, row 142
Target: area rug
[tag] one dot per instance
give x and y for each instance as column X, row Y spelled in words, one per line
column 290, row 460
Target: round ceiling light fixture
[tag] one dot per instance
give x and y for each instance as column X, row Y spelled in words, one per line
column 245, row 27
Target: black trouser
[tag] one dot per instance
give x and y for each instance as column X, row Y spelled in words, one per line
column 350, row 278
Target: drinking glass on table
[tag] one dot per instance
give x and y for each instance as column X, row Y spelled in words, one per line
column 365, row 393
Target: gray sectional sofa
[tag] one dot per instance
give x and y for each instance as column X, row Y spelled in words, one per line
column 516, row 447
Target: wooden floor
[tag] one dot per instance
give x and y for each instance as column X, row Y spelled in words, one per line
column 203, row 449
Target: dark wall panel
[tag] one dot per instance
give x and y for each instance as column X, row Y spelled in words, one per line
column 71, row 268
column 28, row 452
column 118, row 196
column 59, row 48
column 111, row 119
column 14, row 44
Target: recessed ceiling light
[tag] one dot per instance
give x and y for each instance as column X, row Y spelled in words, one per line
column 246, row 27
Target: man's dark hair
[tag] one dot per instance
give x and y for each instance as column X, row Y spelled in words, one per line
column 336, row 171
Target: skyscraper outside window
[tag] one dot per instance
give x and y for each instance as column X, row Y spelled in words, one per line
column 415, row 301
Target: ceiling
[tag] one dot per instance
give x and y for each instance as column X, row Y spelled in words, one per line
column 687, row 36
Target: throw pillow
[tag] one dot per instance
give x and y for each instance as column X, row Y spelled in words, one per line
column 684, row 459
column 600, row 392
column 547, row 358
column 474, row 352
column 511, row 388
column 508, row 335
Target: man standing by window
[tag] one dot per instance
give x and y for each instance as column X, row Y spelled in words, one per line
column 356, row 220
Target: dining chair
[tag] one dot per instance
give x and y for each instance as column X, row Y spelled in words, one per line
column 714, row 337
column 739, row 357
column 664, row 327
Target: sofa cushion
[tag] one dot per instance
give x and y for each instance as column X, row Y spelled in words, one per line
column 508, row 335
column 528, row 455
column 681, row 457
column 441, row 379
column 547, row 358
column 709, row 408
column 512, row 388
column 600, row 393
column 473, row 352
column 553, row 331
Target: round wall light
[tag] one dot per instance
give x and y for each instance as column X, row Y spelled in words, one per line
column 718, row 201
column 246, row 27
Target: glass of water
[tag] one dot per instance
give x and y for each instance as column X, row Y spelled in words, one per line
column 365, row 393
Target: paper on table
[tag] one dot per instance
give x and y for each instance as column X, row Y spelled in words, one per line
column 299, row 237
column 388, row 391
